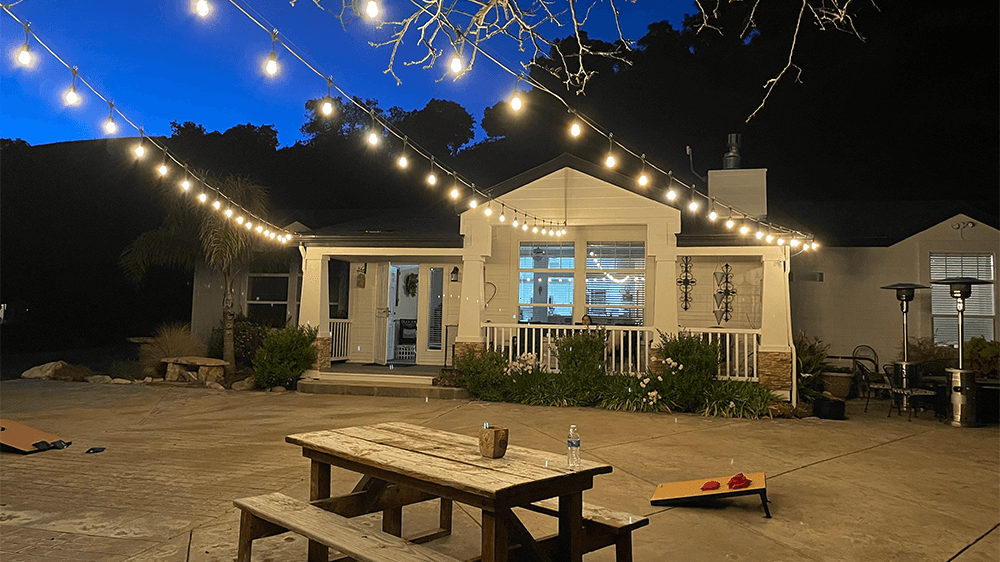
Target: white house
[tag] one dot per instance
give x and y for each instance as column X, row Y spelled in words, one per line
column 836, row 295
column 406, row 286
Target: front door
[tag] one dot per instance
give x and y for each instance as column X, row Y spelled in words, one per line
column 381, row 312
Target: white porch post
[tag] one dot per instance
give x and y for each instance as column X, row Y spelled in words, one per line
column 314, row 308
column 471, row 312
column 775, row 355
column 665, row 299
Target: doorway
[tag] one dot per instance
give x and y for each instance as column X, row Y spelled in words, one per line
column 403, row 304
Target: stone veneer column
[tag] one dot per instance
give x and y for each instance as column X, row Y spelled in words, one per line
column 324, row 350
column 464, row 348
column 773, row 368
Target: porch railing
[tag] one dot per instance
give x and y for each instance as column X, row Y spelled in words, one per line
column 340, row 336
column 627, row 349
column 737, row 351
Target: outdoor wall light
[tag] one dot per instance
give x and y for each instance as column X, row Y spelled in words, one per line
column 454, row 274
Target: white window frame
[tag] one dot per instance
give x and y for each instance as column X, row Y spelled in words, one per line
column 980, row 306
column 569, row 272
column 617, row 273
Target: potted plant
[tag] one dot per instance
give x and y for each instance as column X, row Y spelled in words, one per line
column 812, row 354
column 837, row 380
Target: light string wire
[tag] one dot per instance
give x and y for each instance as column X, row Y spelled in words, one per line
column 223, row 199
column 606, row 133
column 282, row 39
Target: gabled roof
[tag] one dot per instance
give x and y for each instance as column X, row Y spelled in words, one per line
column 873, row 223
column 427, row 227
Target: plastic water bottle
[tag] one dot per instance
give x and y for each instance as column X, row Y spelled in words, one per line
column 573, row 449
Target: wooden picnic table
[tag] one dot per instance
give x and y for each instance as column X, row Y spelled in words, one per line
column 402, row 464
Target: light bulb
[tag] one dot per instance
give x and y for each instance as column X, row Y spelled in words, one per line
column 403, row 162
column 534, row 229
column 273, row 235
column 781, row 241
column 371, row 9
column 266, row 232
column 217, row 205
column 575, row 130
column 552, row 232
column 730, row 223
column 239, row 219
column 504, row 218
column 109, row 126
column 431, row 178
column 473, row 204
column 610, row 161
column 249, row 225
column 162, row 169
column 202, row 197
column 744, row 229
column 488, row 211
column 456, row 63
column 643, row 180
column 693, row 205
column 454, row 193
column 514, row 223
column 140, row 151
column 202, row 8
column 712, row 215
column 373, row 138
column 543, row 230
column 515, row 102
column 814, row 245
column 271, row 66
column 794, row 243
column 24, row 55
column 71, row 97
column 671, row 195
column 768, row 238
column 759, row 234
column 229, row 213
column 327, row 108
column 186, row 185
column 260, row 228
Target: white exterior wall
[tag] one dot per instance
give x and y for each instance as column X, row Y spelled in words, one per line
column 848, row 308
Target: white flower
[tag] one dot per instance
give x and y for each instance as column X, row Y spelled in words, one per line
column 642, row 384
column 659, row 379
column 680, row 367
column 645, row 380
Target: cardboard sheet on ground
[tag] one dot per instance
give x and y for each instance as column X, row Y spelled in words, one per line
column 672, row 493
column 21, row 438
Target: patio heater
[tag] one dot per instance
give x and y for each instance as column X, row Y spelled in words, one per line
column 963, row 383
column 906, row 369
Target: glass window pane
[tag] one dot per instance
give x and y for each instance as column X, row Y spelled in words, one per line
column 544, row 288
column 616, row 255
column 273, row 315
column 542, row 255
column 268, row 288
column 435, row 300
column 545, row 314
column 611, row 316
column 616, row 289
column 946, row 329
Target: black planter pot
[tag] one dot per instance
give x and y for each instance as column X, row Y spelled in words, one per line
column 829, row 409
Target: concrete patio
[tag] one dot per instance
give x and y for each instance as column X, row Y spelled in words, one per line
column 868, row 488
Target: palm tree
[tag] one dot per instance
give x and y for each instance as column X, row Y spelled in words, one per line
column 193, row 234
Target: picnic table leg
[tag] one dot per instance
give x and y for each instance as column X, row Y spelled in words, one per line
column 494, row 537
column 392, row 521
column 445, row 516
column 570, row 543
column 319, row 489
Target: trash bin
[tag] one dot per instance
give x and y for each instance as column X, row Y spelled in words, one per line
column 963, row 398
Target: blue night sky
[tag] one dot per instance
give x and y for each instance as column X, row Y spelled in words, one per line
column 159, row 63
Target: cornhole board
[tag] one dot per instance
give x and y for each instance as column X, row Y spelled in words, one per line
column 21, row 437
column 673, row 493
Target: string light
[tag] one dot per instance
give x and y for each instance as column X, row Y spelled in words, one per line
column 729, row 223
column 456, row 63
column 202, row 8
column 24, row 53
column 712, row 215
column 744, row 229
column 488, row 211
column 693, row 205
column 403, row 162
column 503, row 216
column 781, row 241
column 109, row 125
column 432, row 177
column 186, row 185
column 327, row 107
column 575, row 129
column 217, row 205
column 202, row 197
column 610, row 161
column 671, row 195
column 140, row 150
column 643, row 179
column 371, row 9
column 473, row 204
column 524, row 226
column 271, row 65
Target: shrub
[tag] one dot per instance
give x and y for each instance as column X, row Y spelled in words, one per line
column 738, row 399
column 285, row 355
column 248, row 337
column 811, row 355
column 171, row 340
column 641, row 392
column 483, row 375
column 694, row 353
column 926, row 349
column 983, row 356
column 131, row 370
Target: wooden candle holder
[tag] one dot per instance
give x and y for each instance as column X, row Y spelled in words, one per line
column 493, row 442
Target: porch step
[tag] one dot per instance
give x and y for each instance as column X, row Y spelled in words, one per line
column 373, row 378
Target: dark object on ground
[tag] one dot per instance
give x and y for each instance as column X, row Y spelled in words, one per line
column 829, row 409
column 93, row 450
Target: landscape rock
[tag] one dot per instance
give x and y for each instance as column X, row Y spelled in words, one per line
column 120, row 381
column 278, row 389
column 147, row 380
column 100, row 379
column 214, row 385
column 245, row 384
column 782, row 410
column 58, row 370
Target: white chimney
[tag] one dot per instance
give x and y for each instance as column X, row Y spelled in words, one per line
column 744, row 189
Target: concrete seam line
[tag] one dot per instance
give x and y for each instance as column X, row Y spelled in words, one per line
column 968, row 546
column 850, row 453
